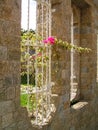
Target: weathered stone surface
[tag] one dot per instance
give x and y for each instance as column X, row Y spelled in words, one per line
column 6, row 107
column 24, row 125
column 7, row 120
column 80, row 116
column 0, row 121
column 8, row 81
column 72, row 128
column 14, row 55
column 12, row 127
column 3, row 53
column 10, row 93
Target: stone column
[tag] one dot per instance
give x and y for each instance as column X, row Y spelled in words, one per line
column 10, row 16
column 61, row 29
column 75, row 56
column 88, row 61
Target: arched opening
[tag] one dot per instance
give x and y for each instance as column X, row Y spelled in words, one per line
column 80, row 67
column 81, row 115
column 36, row 57
column 75, row 57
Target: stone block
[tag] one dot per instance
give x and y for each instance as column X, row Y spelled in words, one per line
column 72, row 128
column 17, row 91
column 3, row 69
column 85, row 70
column 10, row 93
column 7, row 120
column 63, row 74
column 16, row 78
column 9, row 28
column 23, row 125
column 6, row 107
column 14, row 55
column 12, row 127
column 0, row 121
column 96, row 127
column 17, row 102
column 23, row 113
column 13, row 42
column 1, row 84
column 8, row 81
column 66, row 105
column 3, row 53
column 79, row 106
column 16, row 116
column 3, row 95
column 5, row 12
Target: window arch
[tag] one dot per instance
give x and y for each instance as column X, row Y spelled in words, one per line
column 38, row 60
column 75, row 57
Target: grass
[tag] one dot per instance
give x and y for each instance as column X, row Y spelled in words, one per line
column 24, row 99
column 32, row 102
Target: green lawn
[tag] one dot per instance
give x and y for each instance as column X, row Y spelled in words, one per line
column 25, row 96
column 24, row 99
column 32, row 101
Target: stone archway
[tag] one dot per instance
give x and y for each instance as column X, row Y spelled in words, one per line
column 79, row 116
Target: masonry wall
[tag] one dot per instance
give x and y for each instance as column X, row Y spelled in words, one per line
column 12, row 116
column 75, row 57
column 80, row 116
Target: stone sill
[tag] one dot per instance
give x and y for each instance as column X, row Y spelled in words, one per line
column 79, row 105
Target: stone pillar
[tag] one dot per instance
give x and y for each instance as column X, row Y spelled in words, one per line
column 12, row 117
column 88, row 61
column 75, row 56
column 9, row 49
column 61, row 29
column 9, row 60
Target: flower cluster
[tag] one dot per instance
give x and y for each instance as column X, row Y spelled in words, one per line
column 52, row 40
column 35, row 56
column 49, row 40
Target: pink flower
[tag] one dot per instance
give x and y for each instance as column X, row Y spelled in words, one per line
column 50, row 40
column 35, row 56
column 45, row 41
column 39, row 54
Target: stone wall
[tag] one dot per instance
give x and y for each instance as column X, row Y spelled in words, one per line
column 80, row 116
column 12, row 116
column 75, row 57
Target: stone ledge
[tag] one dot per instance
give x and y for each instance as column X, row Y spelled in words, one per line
column 79, row 105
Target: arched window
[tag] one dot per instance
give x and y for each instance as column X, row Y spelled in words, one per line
column 38, row 64
column 75, row 58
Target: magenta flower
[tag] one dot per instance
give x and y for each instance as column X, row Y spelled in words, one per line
column 37, row 55
column 45, row 41
column 33, row 57
column 50, row 40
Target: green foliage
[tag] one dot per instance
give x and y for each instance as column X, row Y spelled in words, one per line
column 24, row 100
column 31, row 37
column 69, row 46
column 41, row 57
